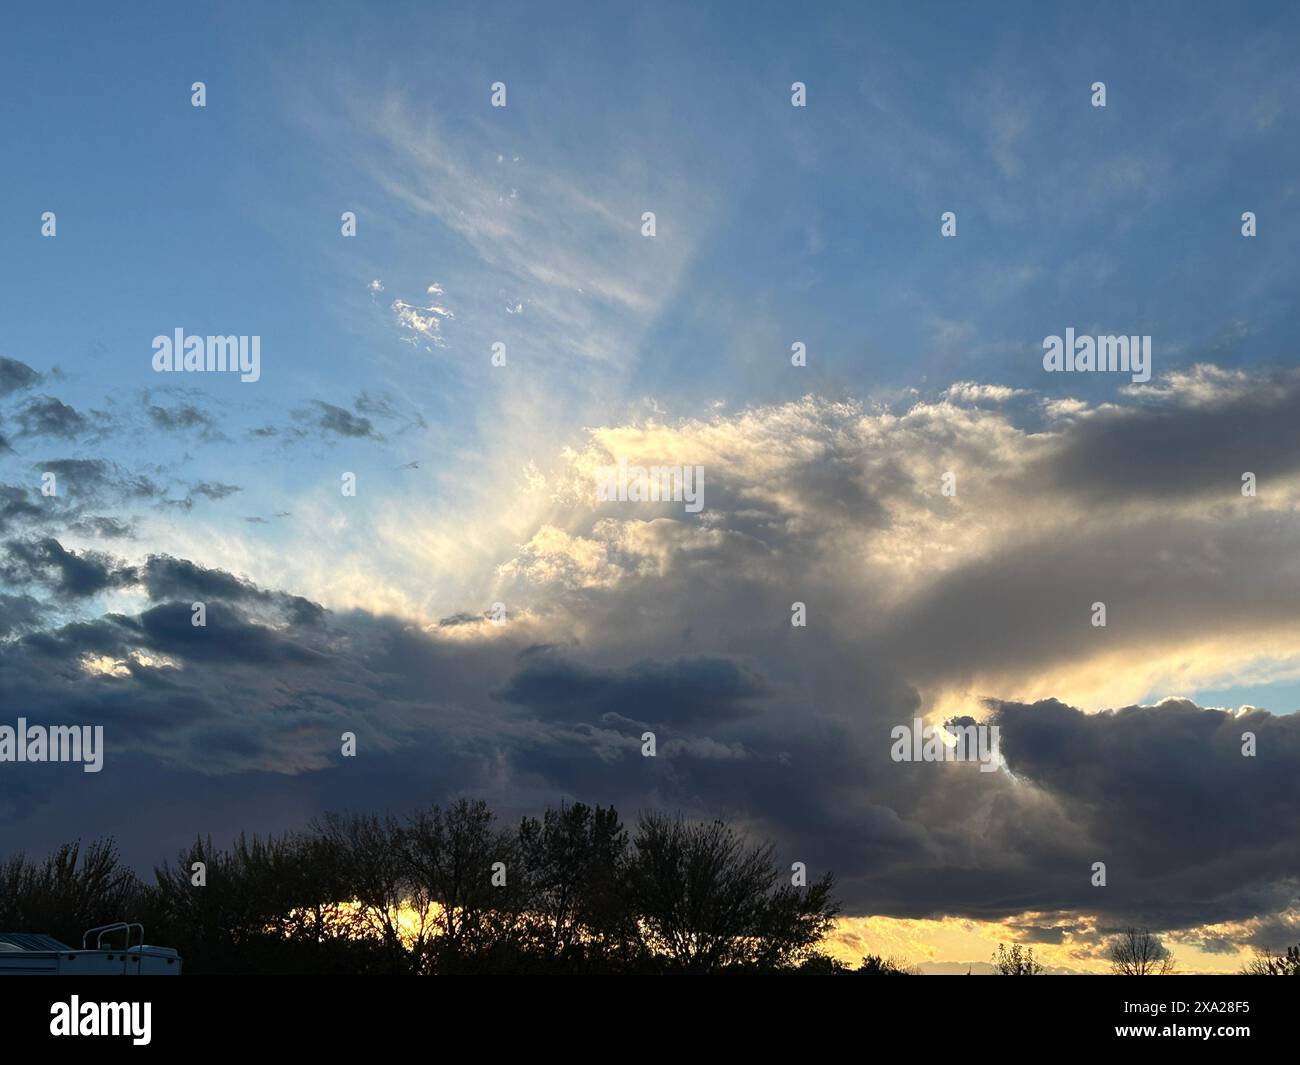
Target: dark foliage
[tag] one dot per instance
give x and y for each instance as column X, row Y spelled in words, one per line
column 1267, row 963
column 1016, row 960
column 450, row 891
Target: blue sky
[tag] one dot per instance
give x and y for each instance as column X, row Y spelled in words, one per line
column 775, row 224
column 820, row 224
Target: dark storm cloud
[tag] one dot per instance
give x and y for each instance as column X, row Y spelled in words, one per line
column 16, row 506
column 90, row 473
column 19, row 613
column 85, row 487
column 1124, row 772
column 76, row 575
column 176, row 578
column 15, row 375
column 1168, row 447
column 1027, row 932
column 228, row 636
column 91, row 481
column 1272, row 934
column 67, row 573
column 237, row 696
column 1191, row 831
column 1029, row 603
column 683, row 690
column 47, row 416
column 175, row 714
column 785, row 729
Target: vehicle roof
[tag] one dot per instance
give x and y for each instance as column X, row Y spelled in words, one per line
column 11, row 941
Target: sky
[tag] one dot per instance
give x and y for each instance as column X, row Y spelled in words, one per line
column 522, row 225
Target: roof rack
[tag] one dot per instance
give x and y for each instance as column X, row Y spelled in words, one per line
column 104, row 929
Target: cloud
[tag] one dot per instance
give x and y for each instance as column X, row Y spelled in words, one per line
column 706, row 689
column 425, row 322
column 181, row 418
column 47, row 416
column 214, row 489
column 174, row 578
column 342, row 422
column 16, row 506
column 19, row 613
column 1164, row 794
column 102, row 527
column 566, row 244
column 972, row 392
column 66, row 572
column 386, row 408
column 15, row 376
column 1195, row 433
column 99, row 482
column 624, row 617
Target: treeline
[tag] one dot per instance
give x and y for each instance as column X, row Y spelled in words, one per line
column 1137, row 952
column 1267, row 963
column 451, row 891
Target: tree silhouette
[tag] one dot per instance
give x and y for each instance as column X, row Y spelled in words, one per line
column 73, row 889
column 705, row 901
column 1136, row 952
column 574, row 861
column 1266, row 963
column 363, row 859
column 1016, row 960
column 274, row 905
column 875, row 965
column 449, row 857
column 450, row 891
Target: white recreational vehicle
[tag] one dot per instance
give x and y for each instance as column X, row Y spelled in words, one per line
column 33, row 954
